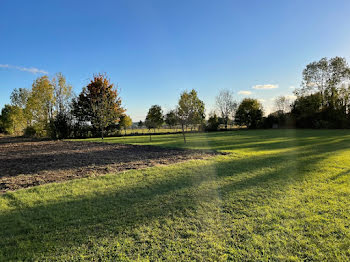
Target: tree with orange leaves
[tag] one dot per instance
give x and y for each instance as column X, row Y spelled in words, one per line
column 98, row 103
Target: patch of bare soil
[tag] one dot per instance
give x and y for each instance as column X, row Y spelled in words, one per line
column 26, row 162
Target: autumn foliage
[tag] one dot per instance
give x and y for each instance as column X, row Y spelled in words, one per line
column 99, row 103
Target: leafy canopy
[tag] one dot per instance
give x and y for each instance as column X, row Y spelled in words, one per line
column 125, row 121
column 98, row 103
column 154, row 118
column 190, row 109
column 171, row 118
column 249, row 113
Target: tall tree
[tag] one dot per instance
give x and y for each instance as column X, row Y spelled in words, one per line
column 63, row 93
column 249, row 113
column 325, row 76
column 12, row 119
column 306, row 109
column 19, row 98
column 154, row 118
column 213, row 122
column 323, row 99
column 98, row 103
column 282, row 104
column 226, row 105
column 125, row 122
column 190, row 110
column 171, row 118
column 140, row 124
column 40, row 105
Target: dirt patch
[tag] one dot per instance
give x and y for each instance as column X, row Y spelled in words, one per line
column 26, row 163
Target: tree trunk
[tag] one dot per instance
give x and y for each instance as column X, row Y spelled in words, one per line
column 150, row 135
column 102, row 131
column 183, row 133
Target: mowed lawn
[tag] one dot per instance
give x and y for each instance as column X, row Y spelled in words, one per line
column 281, row 195
column 146, row 131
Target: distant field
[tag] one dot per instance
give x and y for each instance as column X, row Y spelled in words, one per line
column 146, row 131
column 157, row 130
column 280, row 195
column 160, row 130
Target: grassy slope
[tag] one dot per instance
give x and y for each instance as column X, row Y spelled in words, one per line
column 279, row 195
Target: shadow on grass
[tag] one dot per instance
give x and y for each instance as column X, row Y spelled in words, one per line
column 30, row 232
column 69, row 223
column 237, row 140
column 341, row 174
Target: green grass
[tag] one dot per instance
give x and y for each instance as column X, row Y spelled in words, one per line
column 146, row 131
column 280, row 195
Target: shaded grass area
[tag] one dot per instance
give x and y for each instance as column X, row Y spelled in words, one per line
column 278, row 195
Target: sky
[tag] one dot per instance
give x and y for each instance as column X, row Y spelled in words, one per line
column 154, row 50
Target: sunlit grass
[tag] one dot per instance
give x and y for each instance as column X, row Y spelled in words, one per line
column 147, row 131
column 278, row 195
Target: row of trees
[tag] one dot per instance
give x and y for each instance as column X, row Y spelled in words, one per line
column 324, row 98
column 31, row 110
column 189, row 112
column 50, row 108
column 323, row 101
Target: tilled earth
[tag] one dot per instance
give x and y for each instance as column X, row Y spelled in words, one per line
column 26, row 162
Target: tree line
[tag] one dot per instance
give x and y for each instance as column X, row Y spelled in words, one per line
column 323, row 101
column 50, row 108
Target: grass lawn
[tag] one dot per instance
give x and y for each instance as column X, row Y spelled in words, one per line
column 280, row 195
column 146, row 131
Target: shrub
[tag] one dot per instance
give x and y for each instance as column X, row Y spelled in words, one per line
column 30, row 131
column 213, row 123
column 60, row 127
column 81, row 130
column 249, row 113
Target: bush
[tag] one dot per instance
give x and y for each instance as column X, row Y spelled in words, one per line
column 60, row 127
column 277, row 119
column 213, row 123
column 81, row 130
column 249, row 113
column 29, row 131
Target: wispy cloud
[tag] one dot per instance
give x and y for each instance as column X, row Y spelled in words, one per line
column 243, row 92
column 32, row 70
column 265, row 87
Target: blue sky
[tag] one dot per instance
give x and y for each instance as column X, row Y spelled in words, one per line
column 157, row 49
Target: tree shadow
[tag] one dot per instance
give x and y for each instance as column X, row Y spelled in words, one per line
column 341, row 174
column 41, row 229
column 261, row 140
column 69, row 223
